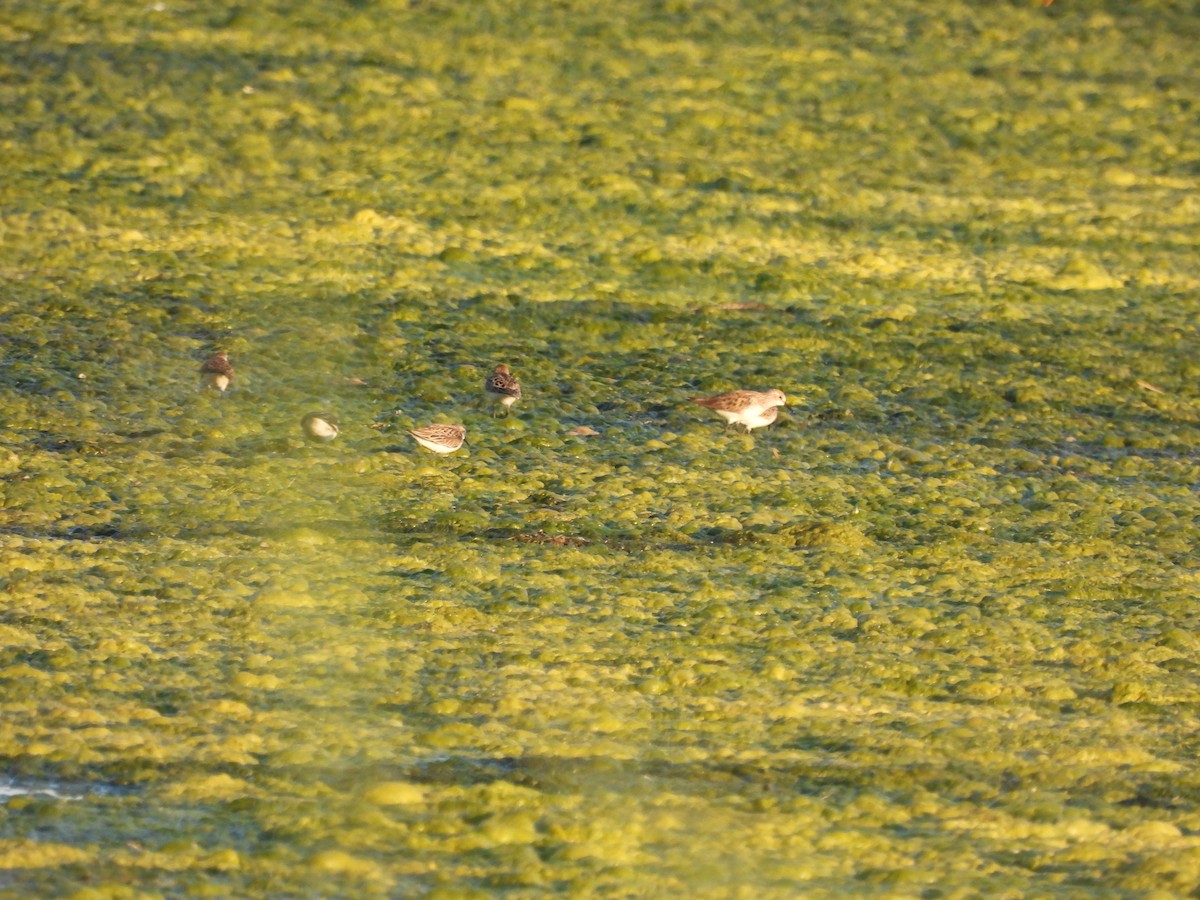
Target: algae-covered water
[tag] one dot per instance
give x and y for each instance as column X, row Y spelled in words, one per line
column 932, row 634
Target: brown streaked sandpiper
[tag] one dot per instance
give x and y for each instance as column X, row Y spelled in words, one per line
column 502, row 387
column 217, row 372
column 440, row 438
column 751, row 409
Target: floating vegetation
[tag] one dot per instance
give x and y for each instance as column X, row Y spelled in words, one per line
column 933, row 631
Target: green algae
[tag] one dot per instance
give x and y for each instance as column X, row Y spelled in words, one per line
column 929, row 634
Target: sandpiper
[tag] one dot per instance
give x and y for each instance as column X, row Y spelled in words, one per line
column 319, row 426
column 752, row 409
column 440, row 438
column 502, row 387
column 217, row 372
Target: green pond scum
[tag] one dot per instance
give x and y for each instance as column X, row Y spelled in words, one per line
column 931, row 634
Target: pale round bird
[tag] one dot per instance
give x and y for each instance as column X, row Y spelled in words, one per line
column 216, row 372
column 502, row 387
column 751, row 409
column 320, row 426
column 440, row 438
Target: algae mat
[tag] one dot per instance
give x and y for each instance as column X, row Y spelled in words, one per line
column 931, row 634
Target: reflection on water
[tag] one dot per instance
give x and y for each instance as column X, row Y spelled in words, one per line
column 16, row 789
column 11, row 787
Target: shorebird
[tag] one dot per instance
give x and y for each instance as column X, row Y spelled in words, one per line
column 217, row 372
column 440, row 438
column 752, row 409
column 320, row 426
column 502, row 387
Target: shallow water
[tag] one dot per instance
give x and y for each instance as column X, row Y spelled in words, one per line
column 931, row 634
